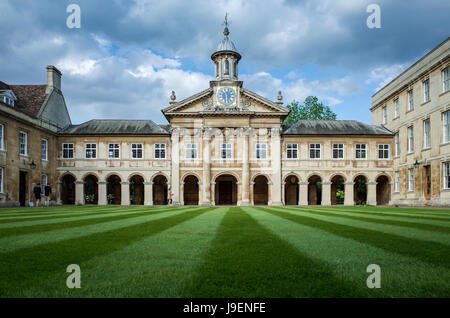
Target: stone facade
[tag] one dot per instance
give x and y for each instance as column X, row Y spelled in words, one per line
column 421, row 95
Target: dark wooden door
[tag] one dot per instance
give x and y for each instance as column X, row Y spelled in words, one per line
column 22, row 187
column 427, row 187
column 225, row 192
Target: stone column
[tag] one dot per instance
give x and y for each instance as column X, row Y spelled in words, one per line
column 206, row 193
column 303, row 195
column 175, row 167
column 252, row 193
column 239, row 193
column 371, row 193
column 125, row 193
column 213, row 193
column 269, row 193
column 102, row 200
column 59, row 192
column 326, row 193
column 299, row 189
column 348, row 194
column 181, row 193
column 275, row 150
column 148, row 193
column 79, row 192
column 245, row 170
column 283, row 195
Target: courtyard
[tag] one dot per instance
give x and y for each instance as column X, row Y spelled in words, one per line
column 191, row 251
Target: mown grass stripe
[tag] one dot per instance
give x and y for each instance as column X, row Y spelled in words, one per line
column 247, row 259
column 401, row 276
column 52, row 259
column 407, row 211
column 59, row 210
column 13, row 243
column 84, row 220
column 415, row 225
column 156, row 266
column 426, row 251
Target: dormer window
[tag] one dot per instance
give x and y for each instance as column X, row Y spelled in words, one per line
column 8, row 101
column 227, row 67
column 7, row 97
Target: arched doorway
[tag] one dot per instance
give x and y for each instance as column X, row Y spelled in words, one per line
column 137, row 190
column 314, row 190
column 114, row 190
column 190, row 191
column 360, row 190
column 383, row 190
column 68, row 189
column 160, row 190
column 90, row 189
column 337, row 190
column 260, row 191
column 226, row 190
column 291, row 190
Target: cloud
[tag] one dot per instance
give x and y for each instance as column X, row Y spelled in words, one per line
column 382, row 75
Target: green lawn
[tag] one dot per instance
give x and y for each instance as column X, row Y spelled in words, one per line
column 224, row 251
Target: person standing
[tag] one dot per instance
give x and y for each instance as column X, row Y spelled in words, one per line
column 47, row 192
column 37, row 193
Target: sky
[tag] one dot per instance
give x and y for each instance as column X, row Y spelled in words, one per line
column 128, row 55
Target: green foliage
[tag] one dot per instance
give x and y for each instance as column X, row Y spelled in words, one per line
column 311, row 109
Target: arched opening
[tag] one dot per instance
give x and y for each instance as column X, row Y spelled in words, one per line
column 226, row 190
column 160, row 190
column 114, row 190
column 68, row 189
column 227, row 67
column 260, row 191
column 383, row 190
column 360, row 190
column 291, row 190
column 314, row 190
column 190, row 191
column 90, row 189
column 137, row 190
column 337, row 190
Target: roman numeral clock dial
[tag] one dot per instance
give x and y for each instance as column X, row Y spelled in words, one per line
column 226, row 96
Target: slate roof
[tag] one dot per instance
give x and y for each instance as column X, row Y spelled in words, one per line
column 334, row 127
column 29, row 97
column 115, row 127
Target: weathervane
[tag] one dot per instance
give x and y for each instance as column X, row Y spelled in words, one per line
column 226, row 23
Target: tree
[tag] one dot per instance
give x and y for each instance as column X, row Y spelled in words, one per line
column 312, row 109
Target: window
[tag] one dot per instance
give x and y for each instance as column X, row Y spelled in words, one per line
column 23, row 143
column 261, row 151
column 160, row 151
column 361, row 151
column 384, row 115
column 383, row 151
column 114, row 151
column 397, row 144
column 446, row 175
column 426, row 90
column 410, row 139
column 410, row 179
column 8, row 101
column 2, row 137
column 2, row 172
column 426, row 133
column 227, row 67
column 397, row 182
column 396, row 108
column 446, row 125
column 225, row 151
column 217, row 69
column 338, row 151
column 191, row 151
column 91, row 151
column 314, row 151
column 410, row 100
column 292, row 151
column 136, row 151
column 446, row 79
column 67, row 151
column 44, row 149
column 235, row 69
column 44, row 180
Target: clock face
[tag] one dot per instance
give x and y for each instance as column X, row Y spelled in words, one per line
column 226, row 96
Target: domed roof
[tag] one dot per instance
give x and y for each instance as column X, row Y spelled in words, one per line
column 226, row 45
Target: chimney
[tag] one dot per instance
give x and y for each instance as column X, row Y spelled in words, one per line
column 53, row 78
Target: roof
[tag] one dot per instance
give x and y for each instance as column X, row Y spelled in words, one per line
column 334, row 127
column 30, row 98
column 115, row 127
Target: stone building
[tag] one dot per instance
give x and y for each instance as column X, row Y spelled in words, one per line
column 224, row 145
column 415, row 106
